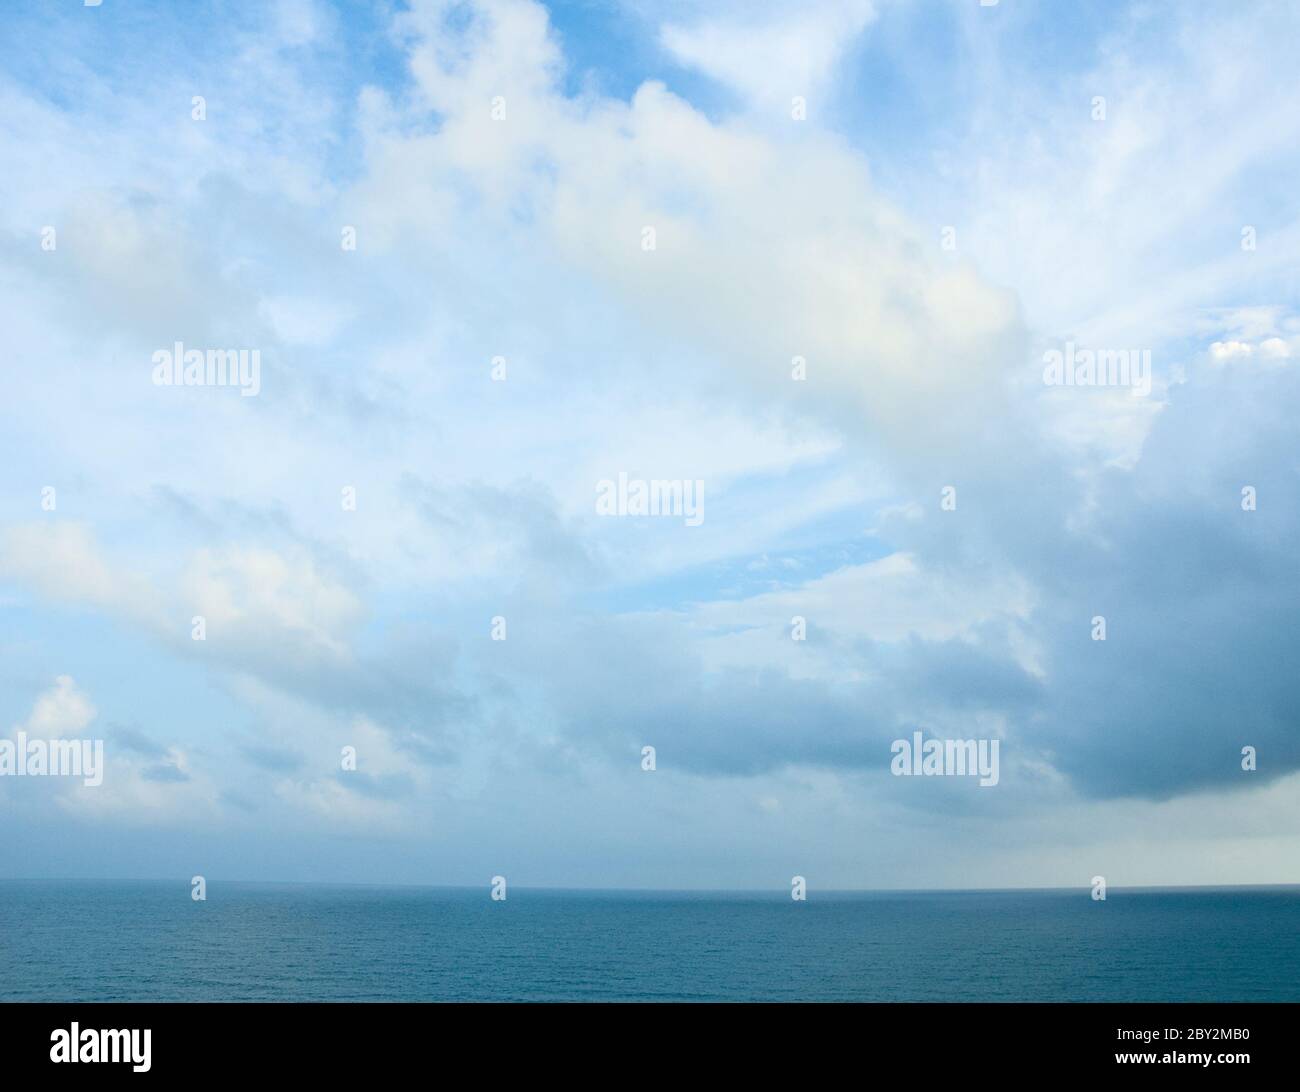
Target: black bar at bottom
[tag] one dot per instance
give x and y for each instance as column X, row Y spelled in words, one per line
column 358, row 1040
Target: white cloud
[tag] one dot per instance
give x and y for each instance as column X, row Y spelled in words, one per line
column 1227, row 350
column 127, row 789
column 62, row 712
column 770, row 53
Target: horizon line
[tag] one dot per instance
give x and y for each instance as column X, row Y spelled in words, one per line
column 659, row 890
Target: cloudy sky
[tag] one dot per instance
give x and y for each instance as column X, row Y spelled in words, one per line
column 909, row 203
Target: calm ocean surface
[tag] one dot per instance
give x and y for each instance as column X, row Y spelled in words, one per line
column 110, row 941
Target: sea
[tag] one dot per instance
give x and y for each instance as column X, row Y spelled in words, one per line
column 149, row 941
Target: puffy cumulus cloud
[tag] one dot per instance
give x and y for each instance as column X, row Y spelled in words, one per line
column 768, row 52
column 130, row 785
column 764, row 249
column 1270, row 349
column 246, row 592
column 253, row 592
column 62, row 712
column 64, row 562
column 280, row 617
column 465, row 55
column 1226, row 350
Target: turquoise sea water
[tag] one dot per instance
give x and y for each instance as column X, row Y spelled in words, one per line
column 110, row 941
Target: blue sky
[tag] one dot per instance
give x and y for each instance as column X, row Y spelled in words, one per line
column 954, row 204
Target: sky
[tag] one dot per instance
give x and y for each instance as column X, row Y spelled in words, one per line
column 812, row 257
